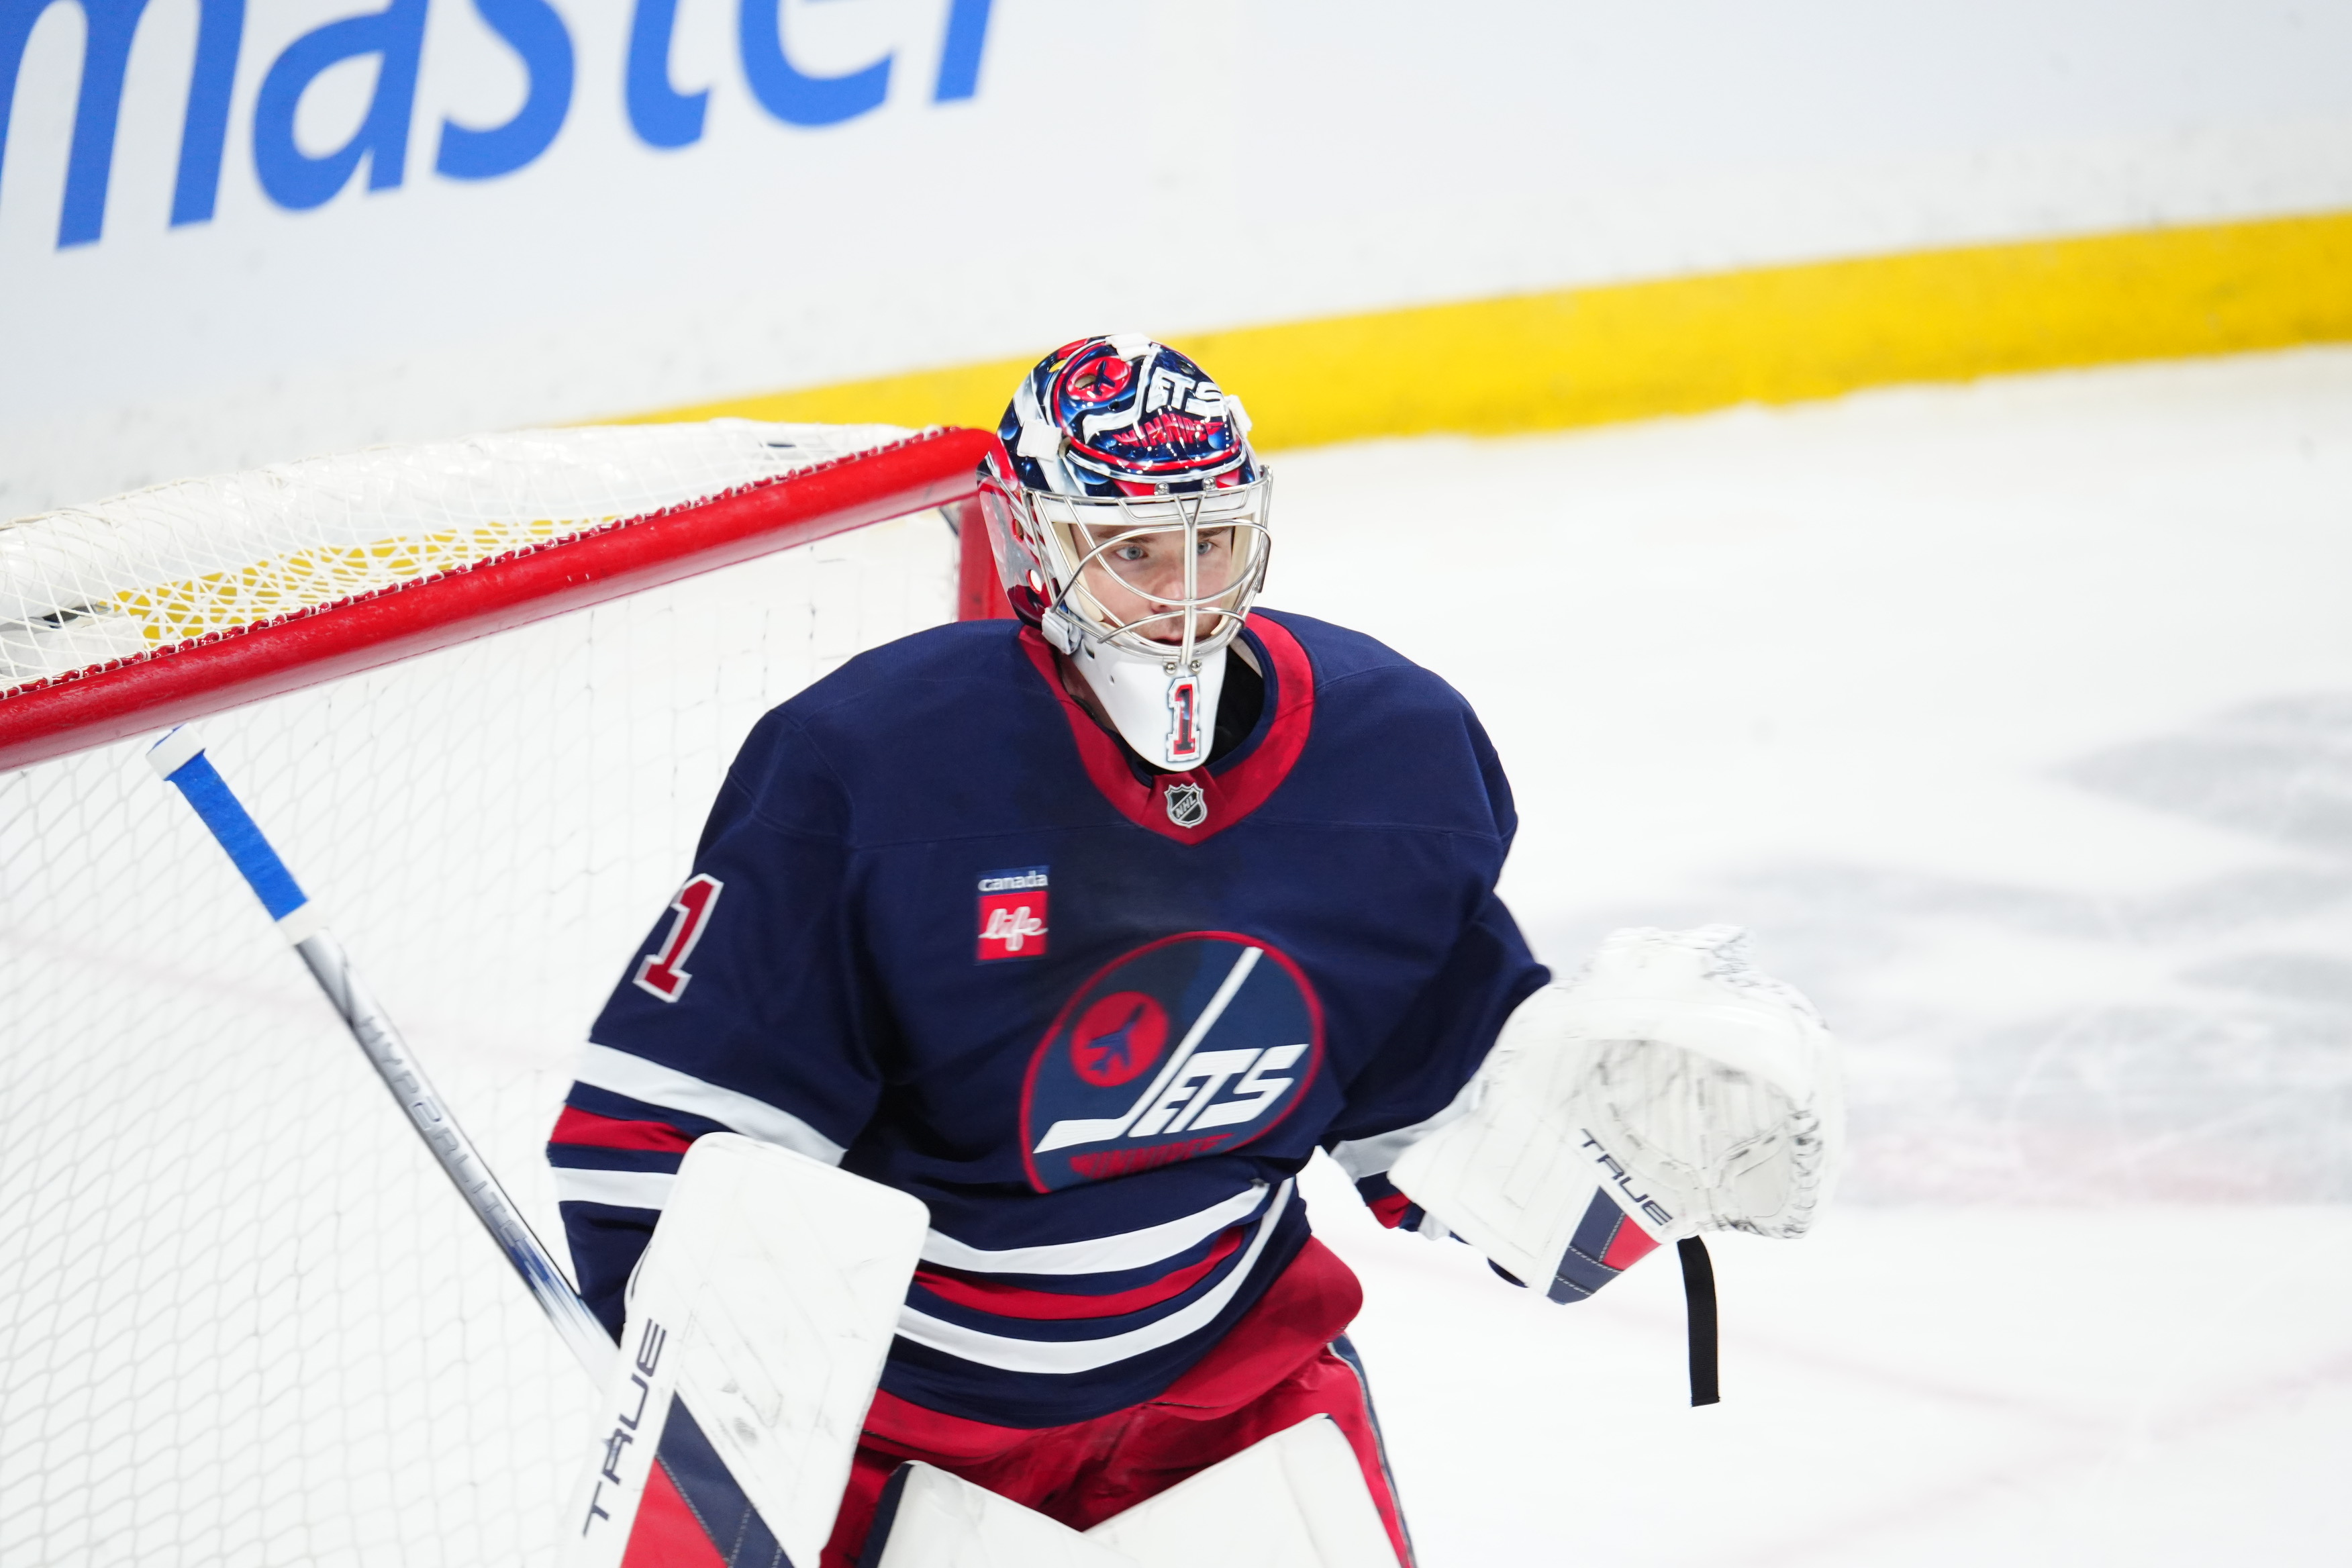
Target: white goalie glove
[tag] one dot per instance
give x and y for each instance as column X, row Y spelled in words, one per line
column 1693, row 1091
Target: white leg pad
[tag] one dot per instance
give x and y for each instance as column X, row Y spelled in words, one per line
column 1296, row 1500
column 941, row 1521
column 765, row 1307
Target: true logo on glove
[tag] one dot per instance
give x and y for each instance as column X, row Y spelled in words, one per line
column 1609, row 1163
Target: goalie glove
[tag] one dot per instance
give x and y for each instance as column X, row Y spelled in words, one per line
column 1694, row 1092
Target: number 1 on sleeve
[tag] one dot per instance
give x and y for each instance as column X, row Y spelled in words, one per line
column 663, row 973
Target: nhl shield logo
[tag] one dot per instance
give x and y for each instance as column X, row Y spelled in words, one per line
column 1187, row 806
column 1189, row 1046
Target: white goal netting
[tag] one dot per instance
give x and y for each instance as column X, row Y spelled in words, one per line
column 244, row 1319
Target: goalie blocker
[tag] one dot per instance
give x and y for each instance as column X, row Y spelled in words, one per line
column 1668, row 1091
column 757, row 1325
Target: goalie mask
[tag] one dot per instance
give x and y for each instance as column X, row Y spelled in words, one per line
column 1132, row 531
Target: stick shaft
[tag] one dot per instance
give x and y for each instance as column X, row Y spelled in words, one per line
column 458, row 1159
column 180, row 758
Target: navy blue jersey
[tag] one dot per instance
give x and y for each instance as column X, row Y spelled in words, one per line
column 943, row 930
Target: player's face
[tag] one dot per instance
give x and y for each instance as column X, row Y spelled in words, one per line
column 1141, row 575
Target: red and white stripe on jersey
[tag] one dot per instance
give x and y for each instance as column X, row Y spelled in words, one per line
column 979, row 1304
column 618, row 1072
column 1367, row 1163
column 1014, row 1329
column 626, row 1156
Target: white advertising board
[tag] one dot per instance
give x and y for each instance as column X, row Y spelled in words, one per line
column 238, row 230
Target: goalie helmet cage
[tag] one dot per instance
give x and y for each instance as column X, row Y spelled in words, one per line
column 243, row 1317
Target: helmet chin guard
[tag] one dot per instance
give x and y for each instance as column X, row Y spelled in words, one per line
column 1132, row 531
column 1167, row 714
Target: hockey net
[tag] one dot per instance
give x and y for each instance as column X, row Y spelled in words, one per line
column 244, row 1318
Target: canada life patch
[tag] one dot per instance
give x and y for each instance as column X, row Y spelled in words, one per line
column 1012, row 913
column 1189, row 1046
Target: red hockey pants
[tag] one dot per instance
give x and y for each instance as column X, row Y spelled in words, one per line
column 1276, row 1368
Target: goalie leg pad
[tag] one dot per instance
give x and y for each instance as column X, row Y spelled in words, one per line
column 1096, row 1470
column 1296, row 1500
column 1285, row 1363
column 930, row 1518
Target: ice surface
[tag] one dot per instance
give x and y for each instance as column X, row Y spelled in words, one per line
column 1910, row 1387
column 2016, row 720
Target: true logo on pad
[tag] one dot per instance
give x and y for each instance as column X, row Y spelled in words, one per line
column 1012, row 913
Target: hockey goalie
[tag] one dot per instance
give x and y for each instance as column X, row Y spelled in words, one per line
column 1085, row 929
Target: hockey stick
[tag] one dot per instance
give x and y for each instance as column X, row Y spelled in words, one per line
column 180, row 758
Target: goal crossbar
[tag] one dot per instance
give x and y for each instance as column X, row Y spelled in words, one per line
column 223, row 669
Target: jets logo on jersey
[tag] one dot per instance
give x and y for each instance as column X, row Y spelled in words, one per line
column 1189, row 1046
column 1012, row 913
column 1117, row 1039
